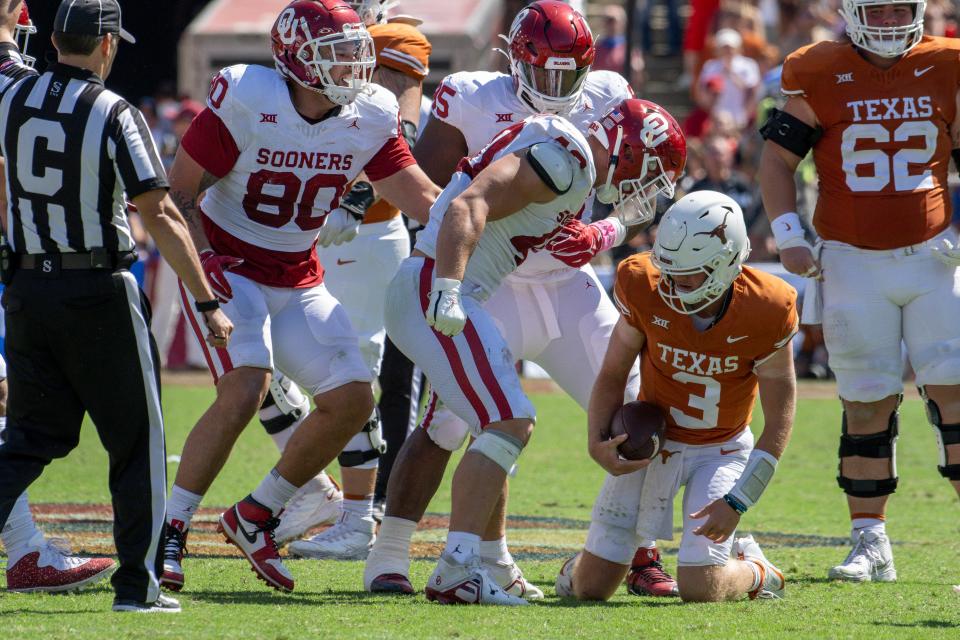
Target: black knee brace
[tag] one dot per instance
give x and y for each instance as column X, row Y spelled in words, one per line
column 377, row 445
column 947, row 434
column 873, row 445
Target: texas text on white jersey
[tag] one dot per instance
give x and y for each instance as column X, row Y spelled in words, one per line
column 279, row 174
column 506, row 243
column 482, row 103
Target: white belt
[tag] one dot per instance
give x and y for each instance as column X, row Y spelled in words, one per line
column 909, row 250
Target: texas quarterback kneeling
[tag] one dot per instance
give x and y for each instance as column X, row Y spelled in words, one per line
column 710, row 333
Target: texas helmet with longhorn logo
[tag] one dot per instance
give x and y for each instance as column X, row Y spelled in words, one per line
column 22, row 33
column 701, row 233
column 314, row 41
column 647, row 154
column 550, row 48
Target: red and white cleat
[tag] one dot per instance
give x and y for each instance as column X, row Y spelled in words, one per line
column 50, row 567
column 647, row 576
column 174, row 544
column 391, row 583
column 467, row 583
column 249, row 526
column 511, row 579
column 564, row 584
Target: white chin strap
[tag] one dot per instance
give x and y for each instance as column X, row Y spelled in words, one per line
column 607, row 193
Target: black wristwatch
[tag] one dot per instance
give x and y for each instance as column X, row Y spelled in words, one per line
column 209, row 305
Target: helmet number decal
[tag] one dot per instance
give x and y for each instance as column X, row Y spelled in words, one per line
column 655, row 128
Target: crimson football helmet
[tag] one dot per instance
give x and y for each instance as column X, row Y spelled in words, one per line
column 647, row 154
column 372, row 11
column 315, row 40
column 550, row 48
column 22, row 33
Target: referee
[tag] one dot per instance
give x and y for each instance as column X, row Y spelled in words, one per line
column 77, row 324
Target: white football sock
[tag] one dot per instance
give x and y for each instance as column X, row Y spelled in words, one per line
column 391, row 551
column 274, row 492
column 757, row 575
column 462, row 545
column 876, row 525
column 494, row 551
column 18, row 531
column 181, row 506
column 362, row 508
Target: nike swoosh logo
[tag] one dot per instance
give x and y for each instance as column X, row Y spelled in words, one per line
column 731, row 339
column 920, row 72
column 341, row 262
column 726, row 452
column 250, row 538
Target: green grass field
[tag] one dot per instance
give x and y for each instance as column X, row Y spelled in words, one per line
column 801, row 524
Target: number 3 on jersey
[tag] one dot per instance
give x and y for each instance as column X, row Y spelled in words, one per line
column 708, row 403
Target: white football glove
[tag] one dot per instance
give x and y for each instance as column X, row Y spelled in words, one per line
column 338, row 227
column 444, row 311
column 947, row 253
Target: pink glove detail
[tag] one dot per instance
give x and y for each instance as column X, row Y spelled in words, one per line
column 575, row 243
column 214, row 266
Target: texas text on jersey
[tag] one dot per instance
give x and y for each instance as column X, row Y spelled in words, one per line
column 705, row 378
column 883, row 157
column 279, row 174
column 505, row 243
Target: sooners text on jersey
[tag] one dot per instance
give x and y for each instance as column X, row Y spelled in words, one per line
column 279, row 174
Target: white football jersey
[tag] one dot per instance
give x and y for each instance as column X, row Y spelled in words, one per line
column 290, row 172
column 482, row 103
column 506, row 243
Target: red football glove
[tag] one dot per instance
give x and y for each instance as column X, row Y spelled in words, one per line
column 214, row 266
column 575, row 243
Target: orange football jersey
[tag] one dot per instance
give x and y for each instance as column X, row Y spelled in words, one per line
column 403, row 48
column 705, row 380
column 883, row 158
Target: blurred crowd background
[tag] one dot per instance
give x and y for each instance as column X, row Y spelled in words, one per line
column 714, row 64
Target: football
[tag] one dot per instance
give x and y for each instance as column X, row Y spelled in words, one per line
column 644, row 424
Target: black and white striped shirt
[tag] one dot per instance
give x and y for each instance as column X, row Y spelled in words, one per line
column 75, row 152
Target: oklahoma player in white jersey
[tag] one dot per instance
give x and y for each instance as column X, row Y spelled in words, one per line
column 273, row 153
column 550, row 313
column 502, row 203
column 359, row 259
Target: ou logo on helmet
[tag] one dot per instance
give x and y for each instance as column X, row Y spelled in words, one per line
column 287, row 26
column 655, row 129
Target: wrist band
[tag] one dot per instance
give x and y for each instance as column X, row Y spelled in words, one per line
column 735, row 504
column 612, row 233
column 756, row 476
column 787, row 230
column 209, row 305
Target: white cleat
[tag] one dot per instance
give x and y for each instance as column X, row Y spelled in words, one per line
column 870, row 559
column 772, row 582
column 467, row 583
column 511, row 580
column 349, row 539
column 317, row 502
column 564, row 584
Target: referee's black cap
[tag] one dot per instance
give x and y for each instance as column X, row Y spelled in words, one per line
column 90, row 18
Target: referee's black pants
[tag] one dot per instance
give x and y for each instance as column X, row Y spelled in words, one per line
column 401, row 389
column 79, row 341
